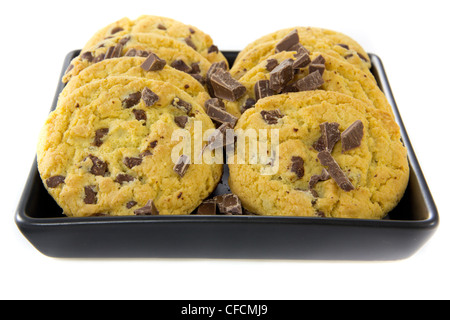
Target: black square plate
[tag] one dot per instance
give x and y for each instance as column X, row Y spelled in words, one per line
column 398, row 236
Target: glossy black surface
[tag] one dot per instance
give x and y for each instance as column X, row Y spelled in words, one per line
column 398, row 236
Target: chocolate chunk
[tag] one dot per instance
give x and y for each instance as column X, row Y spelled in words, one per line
column 146, row 153
column 216, row 113
column 99, row 135
column 181, row 121
column 207, row 208
column 344, row 46
column 148, row 210
column 117, row 53
column 69, row 68
column 362, row 57
column 318, row 64
column 87, row 56
column 55, row 181
column 124, row 40
column 131, row 53
column 316, row 178
column 153, row 144
column 225, row 86
column 229, row 204
column 109, row 52
column 288, row 41
column 116, row 30
column 281, row 75
column 99, row 167
column 182, row 165
column 99, row 58
column 298, row 166
column 140, row 114
column 262, row 89
column 248, row 104
column 311, row 82
column 335, row 171
column 142, row 53
column 218, row 138
column 153, row 63
column 181, row 66
column 199, row 78
column 122, row 178
column 131, row 162
column 330, row 136
column 161, row 27
column 195, row 68
column 271, row 116
column 90, row 195
column 302, row 59
column 132, row 100
column 214, row 102
column 131, row 204
column 182, row 105
column 352, row 136
column 213, row 49
column 149, row 97
column 190, row 43
column 271, row 64
column 214, row 67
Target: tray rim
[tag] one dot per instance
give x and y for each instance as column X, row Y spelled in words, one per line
column 431, row 222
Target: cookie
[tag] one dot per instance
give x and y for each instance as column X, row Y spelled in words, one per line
column 133, row 67
column 186, row 34
column 175, row 53
column 107, row 150
column 335, row 75
column 337, row 157
column 313, row 39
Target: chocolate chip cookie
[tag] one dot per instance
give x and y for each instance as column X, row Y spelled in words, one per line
column 186, row 34
column 108, row 149
column 312, row 39
column 177, row 54
column 337, row 157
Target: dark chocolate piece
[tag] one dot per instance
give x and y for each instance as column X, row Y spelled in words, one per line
column 318, row 60
column 271, row 64
column 211, row 70
column 298, row 166
column 248, row 104
column 182, row 105
column 116, row 29
column 87, row 56
column 148, row 210
column 122, row 178
column 131, row 162
column 109, row 52
column 99, row 167
column 352, row 136
column 225, row 86
column 207, row 208
column 288, row 41
column 335, row 171
column 199, row 78
column 330, row 136
column 181, row 66
column 140, row 114
column 55, row 181
column 343, row 45
column 271, row 116
column 362, row 57
column 195, row 68
column 190, row 43
column 153, row 63
column 213, row 49
column 262, row 89
column 161, row 27
column 99, row 135
column 311, row 82
column 181, row 121
column 316, row 178
column 90, row 195
column 281, row 75
column 149, row 97
column 182, row 165
column 229, row 204
column 99, row 58
column 124, row 40
column 302, row 60
column 153, row 144
column 218, row 114
column 146, row 153
column 131, row 53
column 218, row 138
column 214, row 102
column 318, row 64
column 117, row 53
column 69, row 68
column 132, row 100
column 131, row 204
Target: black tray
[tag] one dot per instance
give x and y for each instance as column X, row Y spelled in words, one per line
column 398, row 236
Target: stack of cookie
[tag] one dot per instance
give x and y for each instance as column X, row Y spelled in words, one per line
column 340, row 152
column 107, row 149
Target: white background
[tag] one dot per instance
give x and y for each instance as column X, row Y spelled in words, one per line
column 411, row 37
